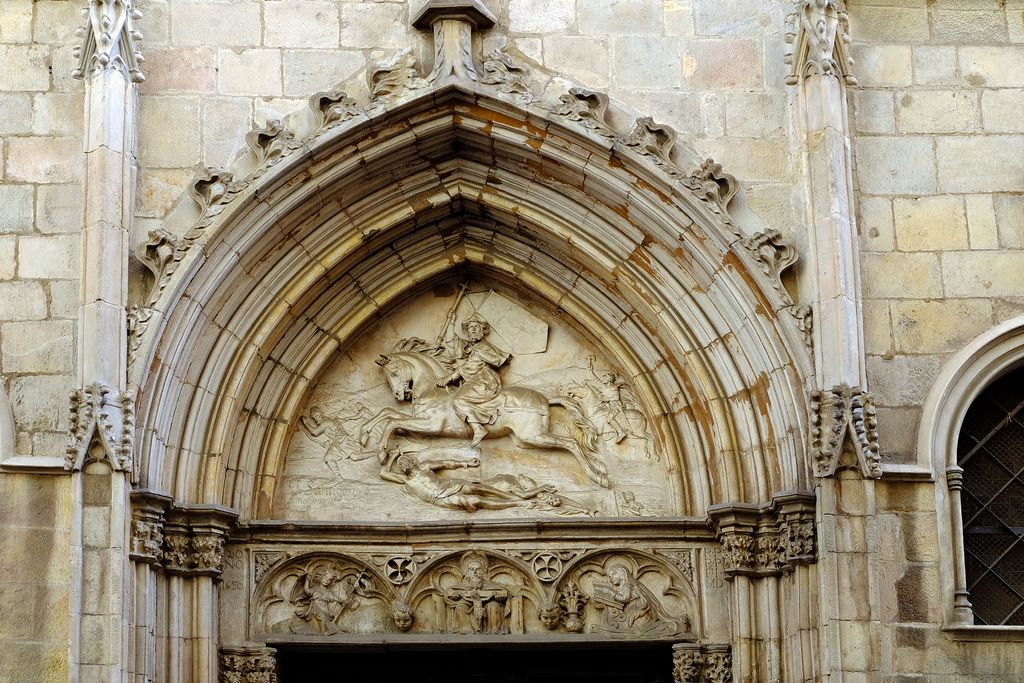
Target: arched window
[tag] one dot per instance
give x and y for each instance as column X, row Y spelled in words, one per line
column 990, row 449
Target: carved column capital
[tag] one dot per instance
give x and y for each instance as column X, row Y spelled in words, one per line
column 194, row 539
column 818, row 41
column 844, row 432
column 101, row 415
column 147, row 540
column 693, row 663
column 248, row 665
column 955, row 477
column 109, row 40
column 766, row 540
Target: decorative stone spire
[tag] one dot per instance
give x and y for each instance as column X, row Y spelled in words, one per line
column 453, row 22
column 818, row 40
column 109, row 39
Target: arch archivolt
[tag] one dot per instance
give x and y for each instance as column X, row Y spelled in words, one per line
column 339, row 216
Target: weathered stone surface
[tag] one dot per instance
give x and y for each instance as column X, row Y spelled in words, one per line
column 983, row 274
column 937, row 111
column 21, row 300
column 180, row 69
column 163, row 113
column 541, row 16
column 34, row 401
column 875, row 221
column 235, row 23
column 47, row 257
column 16, row 215
column 159, row 189
column 636, row 17
column 892, row 24
column 37, row 347
column 57, row 114
column 44, row 160
column 1009, row 214
column 249, row 72
column 304, row 23
column 996, row 67
column 225, row 121
column 16, row 21
column 962, row 26
column 651, row 60
column 888, row 165
column 896, row 275
column 713, row 64
column 930, row 223
column 935, row 65
column 8, row 262
column 938, row 326
column 55, row 21
column 884, row 65
column 310, row 71
column 981, row 221
column 903, row 380
column 1002, row 111
column 373, row 25
column 981, row 163
column 23, row 68
column 582, row 58
column 59, row 208
column 15, row 113
column 874, row 112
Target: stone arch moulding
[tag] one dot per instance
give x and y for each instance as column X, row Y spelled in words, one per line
column 963, row 378
column 337, row 214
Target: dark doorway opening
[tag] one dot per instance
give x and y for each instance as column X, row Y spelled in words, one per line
column 455, row 663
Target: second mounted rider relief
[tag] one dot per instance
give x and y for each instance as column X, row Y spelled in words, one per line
column 469, row 401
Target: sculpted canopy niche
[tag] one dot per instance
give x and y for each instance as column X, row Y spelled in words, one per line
column 616, row 346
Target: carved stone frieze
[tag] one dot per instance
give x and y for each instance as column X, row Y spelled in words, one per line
column 194, row 540
column 105, row 417
column 694, row 663
column 844, row 431
column 264, row 560
column 248, row 665
column 588, row 108
column 624, row 593
column 109, row 40
column 395, row 77
column 818, row 41
column 775, row 254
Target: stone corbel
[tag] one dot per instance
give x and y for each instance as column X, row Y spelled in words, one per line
column 105, row 417
column 844, row 432
column 147, row 540
column 109, row 40
column 453, row 22
column 255, row 664
column 693, row 663
column 818, row 41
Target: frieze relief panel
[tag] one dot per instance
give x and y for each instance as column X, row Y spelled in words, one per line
column 470, row 402
column 607, row 593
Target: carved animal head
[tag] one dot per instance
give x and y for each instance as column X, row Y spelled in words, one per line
column 398, row 376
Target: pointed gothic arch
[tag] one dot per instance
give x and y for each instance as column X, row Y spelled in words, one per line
column 344, row 212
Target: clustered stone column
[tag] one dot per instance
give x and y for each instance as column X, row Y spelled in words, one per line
column 768, row 551
column 179, row 557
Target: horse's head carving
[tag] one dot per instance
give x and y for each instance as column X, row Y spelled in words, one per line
column 382, row 361
column 398, row 376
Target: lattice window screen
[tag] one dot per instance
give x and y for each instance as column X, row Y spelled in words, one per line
column 991, row 451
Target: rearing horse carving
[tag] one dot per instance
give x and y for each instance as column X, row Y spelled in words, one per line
column 524, row 413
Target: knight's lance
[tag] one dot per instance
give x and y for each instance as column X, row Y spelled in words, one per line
column 451, row 313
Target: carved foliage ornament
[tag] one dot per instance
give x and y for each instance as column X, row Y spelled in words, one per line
column 103, row 416
column 396, row 77
column 109, row 40
column 248, row 665
column 701, row 663
column 818, row 41
column 844, row 431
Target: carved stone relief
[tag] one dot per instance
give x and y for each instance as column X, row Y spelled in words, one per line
column 619, row 594
column 323, row 595
column 505, row 412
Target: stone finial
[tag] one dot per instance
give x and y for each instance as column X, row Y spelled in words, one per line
column 109, row 40
column 818, row 41
column 453, row 22
column 101, row 414
column 844, row 431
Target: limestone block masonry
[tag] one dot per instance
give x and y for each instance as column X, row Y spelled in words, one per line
column 427, row 323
